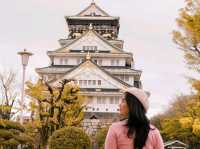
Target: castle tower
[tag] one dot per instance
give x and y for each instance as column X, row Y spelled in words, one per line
column 95, row 57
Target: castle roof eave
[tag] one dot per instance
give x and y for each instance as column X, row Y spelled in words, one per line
column 56, row 53
column 96, row 7
column 115, row 78
column 99, row 36
column 91, row 18
column 63, row 69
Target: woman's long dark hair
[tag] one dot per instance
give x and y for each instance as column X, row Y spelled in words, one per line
column 138, row 123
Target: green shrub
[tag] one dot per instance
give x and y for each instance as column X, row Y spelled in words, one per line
column 69, row 138
column 7, row 124
column 12, row 134
column 101, row 136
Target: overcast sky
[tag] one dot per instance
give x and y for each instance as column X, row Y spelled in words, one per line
column 145, row 26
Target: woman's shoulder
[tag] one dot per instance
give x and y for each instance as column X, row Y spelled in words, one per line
column 155, row 137
column 153, row 128
column 118, row 124
column 154, row 131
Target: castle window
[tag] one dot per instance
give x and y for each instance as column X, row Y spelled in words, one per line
column 85, row 82
column 92, row 14
column 101, row 100
column 78, row 61
column 126, row 78
column 117, row 62
column 122, row 78
column 89, row 48
column 98, row 100
column 112, row 62
column 61, row 61
column 95, row 61
column 111, row 100
column 99, row 82
column 80, row 82
column 89, row 82
column 116, row 100
column 95, row 48
column 66, row 61
column 45, row 77
column 100, row 62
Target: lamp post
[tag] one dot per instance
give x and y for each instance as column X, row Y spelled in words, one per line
column 24, row 57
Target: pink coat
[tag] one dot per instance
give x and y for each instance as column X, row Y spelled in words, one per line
column 117, row 138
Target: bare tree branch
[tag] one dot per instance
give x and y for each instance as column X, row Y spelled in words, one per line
column 7, row 91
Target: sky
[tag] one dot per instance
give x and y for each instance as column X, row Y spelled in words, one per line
column 145, row 26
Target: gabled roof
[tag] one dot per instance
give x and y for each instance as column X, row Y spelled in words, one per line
column 94, row 9
column 174, row 142
column 85, row 34
column 98, row 67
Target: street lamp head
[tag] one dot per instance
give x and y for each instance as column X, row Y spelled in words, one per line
column 25, row 56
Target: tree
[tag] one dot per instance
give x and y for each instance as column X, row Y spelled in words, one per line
column 8, row 93
column 188, row 36
column 53, row 108
column 181, row 121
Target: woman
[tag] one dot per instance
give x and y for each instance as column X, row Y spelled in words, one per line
column 135, row 131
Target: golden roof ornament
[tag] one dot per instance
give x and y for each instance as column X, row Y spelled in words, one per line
column 88, row 56
column 90, row 26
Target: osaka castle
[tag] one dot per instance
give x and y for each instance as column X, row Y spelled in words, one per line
column 93, row 56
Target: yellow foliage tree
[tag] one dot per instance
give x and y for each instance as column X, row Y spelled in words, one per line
column 54, row 107
column 186, row 122
column 181, row 121
column 188, row 36
column 196, row 127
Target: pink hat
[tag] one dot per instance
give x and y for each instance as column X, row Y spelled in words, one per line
column 141, row 95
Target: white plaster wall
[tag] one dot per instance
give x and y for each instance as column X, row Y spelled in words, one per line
column 131, row 80
column 57, row 60
column 90, row 40
column 73, row 61
column 92, row 75
column 70, row 60
column 107, row 61
column 93, row 106
column 102, row 108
